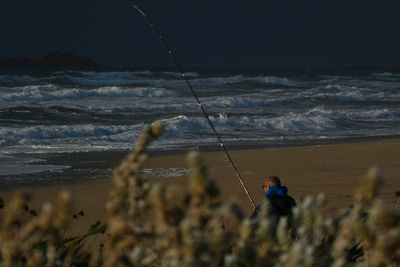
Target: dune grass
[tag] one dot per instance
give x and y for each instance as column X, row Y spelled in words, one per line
column 155, row 225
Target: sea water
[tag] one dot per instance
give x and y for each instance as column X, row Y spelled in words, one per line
column 66, row 111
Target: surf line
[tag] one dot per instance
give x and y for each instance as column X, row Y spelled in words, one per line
column 183, row 76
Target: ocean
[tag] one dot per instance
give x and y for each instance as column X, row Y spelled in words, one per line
column 64, row 112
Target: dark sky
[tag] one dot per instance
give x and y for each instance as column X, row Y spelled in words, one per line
column 205, row 33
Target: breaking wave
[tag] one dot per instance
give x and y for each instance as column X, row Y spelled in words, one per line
column 247, row 101
column 153, row 78
column 289, row 122
column 350, row 93
column 385, row 74
column 196, row 80
column 379, row 114
column 67, row 111
column 52, row 92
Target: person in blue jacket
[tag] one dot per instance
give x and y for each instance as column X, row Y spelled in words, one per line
column 280, row 203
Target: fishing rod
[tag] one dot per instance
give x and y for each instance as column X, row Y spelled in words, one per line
column 183, row 76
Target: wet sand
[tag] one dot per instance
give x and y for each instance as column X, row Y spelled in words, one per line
column 334, row 169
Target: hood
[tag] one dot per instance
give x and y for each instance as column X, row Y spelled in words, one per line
column 279, row 190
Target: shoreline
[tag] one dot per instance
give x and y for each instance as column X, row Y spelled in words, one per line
column 98, row 165
column 290, row 163
column 334, row 169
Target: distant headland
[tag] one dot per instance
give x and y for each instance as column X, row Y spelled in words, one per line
column 52, row 59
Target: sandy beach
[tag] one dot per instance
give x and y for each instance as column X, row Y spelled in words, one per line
column 334, row 169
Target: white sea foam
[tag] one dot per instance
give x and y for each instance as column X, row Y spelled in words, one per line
column 275, row 80
column 132, row 92
column 11, row 165
column 121, row 78
column 115, row 78
column 167, row 172
column 382, row 74
column 99, row 82
column 289, row 122
column 42, row 137
column 243, row 107
column 44, row 133
column 376, row 115
column 52, row 92
column 377, row 81
column 247, row 100
column 379, row 114
column 385, row 74
column 14, row 169
column 350, row 93
column 92, row 78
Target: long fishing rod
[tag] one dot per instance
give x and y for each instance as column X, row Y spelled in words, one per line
column 183, row 76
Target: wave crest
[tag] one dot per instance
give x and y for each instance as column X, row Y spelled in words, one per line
column 52, row 92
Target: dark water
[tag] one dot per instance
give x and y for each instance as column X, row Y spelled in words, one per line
column 65, row 111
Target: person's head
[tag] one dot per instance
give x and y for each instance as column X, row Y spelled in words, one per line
column 271, row 181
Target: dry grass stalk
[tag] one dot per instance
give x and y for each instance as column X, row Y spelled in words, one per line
column 154, row 225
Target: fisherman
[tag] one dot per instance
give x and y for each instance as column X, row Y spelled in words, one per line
column 280, row 204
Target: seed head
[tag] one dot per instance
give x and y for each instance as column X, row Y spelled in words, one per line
column 157, row 128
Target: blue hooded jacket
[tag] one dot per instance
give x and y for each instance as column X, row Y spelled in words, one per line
column 281, row 204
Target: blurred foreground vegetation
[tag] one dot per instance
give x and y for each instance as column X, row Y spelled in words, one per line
column 154, row 225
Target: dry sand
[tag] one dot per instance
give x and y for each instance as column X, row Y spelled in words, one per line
column 334, row 169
